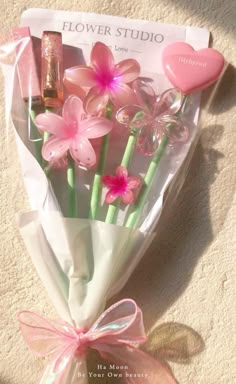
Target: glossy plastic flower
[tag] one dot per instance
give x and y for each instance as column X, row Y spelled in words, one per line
column 71, row 132
column 154, row 116
column 121, row 186
column 105, row 79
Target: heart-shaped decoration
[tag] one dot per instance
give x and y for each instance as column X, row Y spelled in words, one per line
column 191, row 70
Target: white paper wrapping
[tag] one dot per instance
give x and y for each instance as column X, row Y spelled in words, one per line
column 81, row 263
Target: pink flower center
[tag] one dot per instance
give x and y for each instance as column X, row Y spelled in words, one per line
column 105, row 79
column 71, row 129
column 120, row 185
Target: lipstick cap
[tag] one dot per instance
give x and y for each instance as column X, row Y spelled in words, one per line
column 26, row 66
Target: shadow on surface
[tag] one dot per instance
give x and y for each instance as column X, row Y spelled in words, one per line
column 174, row 342
column 168, row 342
column 165, row 272
column 185, row 231
column 221, row 98
column 4, row 380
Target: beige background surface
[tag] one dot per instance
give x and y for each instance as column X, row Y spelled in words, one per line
column 188, row 275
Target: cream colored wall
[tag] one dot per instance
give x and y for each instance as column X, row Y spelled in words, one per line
column 188, row 275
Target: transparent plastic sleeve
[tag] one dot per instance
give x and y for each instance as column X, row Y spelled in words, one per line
column 83, row 260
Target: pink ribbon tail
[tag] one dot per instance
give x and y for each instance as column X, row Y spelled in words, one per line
column 115, row 335
column 136, row 366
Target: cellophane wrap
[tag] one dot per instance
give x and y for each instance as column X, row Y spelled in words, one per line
column 83, row 263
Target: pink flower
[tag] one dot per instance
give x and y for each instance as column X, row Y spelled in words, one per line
column 154, row 116
column 120, row 185
column 70, row 132
column 106, row 80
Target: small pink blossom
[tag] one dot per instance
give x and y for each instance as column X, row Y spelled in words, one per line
column 70, row 132
column 121, row 186
column 106, row 80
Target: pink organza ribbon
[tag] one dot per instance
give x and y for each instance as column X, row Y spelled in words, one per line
column 115, row 335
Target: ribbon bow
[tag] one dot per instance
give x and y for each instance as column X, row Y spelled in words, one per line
column 115, row 335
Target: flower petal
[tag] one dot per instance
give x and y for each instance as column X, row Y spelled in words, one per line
column 102, row 59
column 127, row 197
column 169, row 102
column 109, row 180
column 82, row 151
column 81, row 75
column 129, row 113
column 140, row 122
column 148, row 138
column 95, row 127
column 122, row 94
column 121, row 172
column 72, row 110
column 74, row 89
column 127, row 70
column 133, row 182
column 54, row 148
column 145, row 95
column 95, row 101
column 174, row 128
column 110, row 196
column 52, row 123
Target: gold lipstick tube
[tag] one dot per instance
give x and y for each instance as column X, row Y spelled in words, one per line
column 52, row 69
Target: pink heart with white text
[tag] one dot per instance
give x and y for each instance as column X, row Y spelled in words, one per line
column 191, row 70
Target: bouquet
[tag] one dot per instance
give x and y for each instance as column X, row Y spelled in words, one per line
column 100, row 140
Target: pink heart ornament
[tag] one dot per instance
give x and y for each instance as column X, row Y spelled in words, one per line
column 191, row 70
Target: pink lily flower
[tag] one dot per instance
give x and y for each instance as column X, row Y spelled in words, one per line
column 121, row 186
column 71, row 132
column 106, row 80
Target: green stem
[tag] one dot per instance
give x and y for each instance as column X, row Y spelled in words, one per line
column 46, row 136
column 128, row 154
column 34, row 136
column 97, row 182
column 136, row 209
column 147, row 183
column 125, row 162
column 72, row 197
